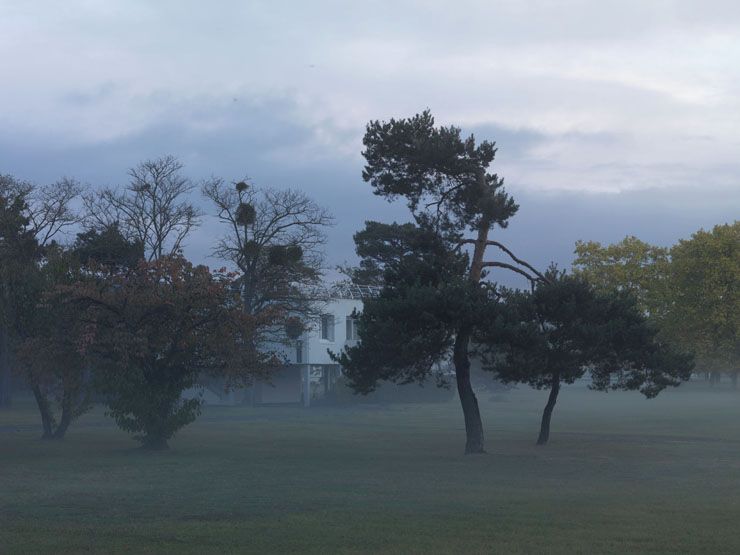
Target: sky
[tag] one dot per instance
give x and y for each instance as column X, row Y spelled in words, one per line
column 611, row 118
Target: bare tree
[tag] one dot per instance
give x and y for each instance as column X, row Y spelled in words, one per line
column 152, row 208
column 275, row 238
column 51, row 210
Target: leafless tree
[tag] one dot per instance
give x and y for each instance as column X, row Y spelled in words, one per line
column 49, row 208
column 153, row 208
column 275, row 238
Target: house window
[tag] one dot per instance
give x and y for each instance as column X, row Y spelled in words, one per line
column 299, row 352
column 352, row 329
column 327, row 327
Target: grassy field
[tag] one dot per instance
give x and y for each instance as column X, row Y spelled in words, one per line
column 621, row 474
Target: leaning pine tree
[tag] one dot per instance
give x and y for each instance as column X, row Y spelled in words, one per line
column 431, row 270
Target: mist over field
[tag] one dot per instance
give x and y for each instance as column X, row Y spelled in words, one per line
column 621, row 474
column 399, row 277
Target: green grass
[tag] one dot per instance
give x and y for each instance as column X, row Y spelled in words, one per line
column 621, row 474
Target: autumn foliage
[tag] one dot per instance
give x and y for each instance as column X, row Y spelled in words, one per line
column 157, row 327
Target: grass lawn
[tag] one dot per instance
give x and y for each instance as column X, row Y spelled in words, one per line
column 621, row 474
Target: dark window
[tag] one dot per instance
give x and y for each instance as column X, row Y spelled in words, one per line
column 327, row 327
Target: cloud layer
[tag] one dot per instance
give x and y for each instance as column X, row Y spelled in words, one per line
column 628, row 108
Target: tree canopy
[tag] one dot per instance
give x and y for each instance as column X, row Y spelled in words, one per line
column 564, row 329
column 154, row 329
column 430, row 269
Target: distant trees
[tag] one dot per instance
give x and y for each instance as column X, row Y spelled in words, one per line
column 689, row 291
column 433, row 293
column 275, row 238
column 704, row 312
column 154, row 329
column 153, row 209
column 564, row 329
column 630, row 265
column 120, row 310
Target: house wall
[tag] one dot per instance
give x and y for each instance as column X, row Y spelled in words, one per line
column 314, row 350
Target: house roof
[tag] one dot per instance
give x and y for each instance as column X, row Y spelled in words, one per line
column 353, row 291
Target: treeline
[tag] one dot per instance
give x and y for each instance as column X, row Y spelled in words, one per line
column 688, row 291
column 120, row 313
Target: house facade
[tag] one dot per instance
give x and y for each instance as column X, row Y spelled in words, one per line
column 309, row 373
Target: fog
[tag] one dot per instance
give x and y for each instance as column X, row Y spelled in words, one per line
column 392, row 277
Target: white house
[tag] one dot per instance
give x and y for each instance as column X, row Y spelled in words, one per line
column 309, row 373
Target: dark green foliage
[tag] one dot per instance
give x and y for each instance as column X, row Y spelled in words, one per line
column 414, row 159
column 380, row 246
column 564, row 329
column 50, row 357
column 432, row 292
column 412, row 325
column 108, row 247
column 19, row 253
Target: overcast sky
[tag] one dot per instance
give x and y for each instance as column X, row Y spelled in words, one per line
column 611, row 118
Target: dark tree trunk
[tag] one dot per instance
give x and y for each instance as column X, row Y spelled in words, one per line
column 66, row 418
column 547, row 414
column 471, row 412
column 473, row 423
column 47, row 419
column 6, row 384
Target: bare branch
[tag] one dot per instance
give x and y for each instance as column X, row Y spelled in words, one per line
column 532, row 279
column 518, row 260
column 151, row 209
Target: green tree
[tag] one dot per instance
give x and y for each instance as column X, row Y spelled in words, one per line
column 108, row 247
column 705, row 297
column 50, row 354
column 433, row 287
column 631, row 265
column 19, row 251
column 563, row 329
column 31, row 218
column 689, row 291
column 157, row 327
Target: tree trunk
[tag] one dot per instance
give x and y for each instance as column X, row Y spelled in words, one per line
column 6, row 384
column 733, row 377
column 47, row 419
column 547, row 414
column 473, row 423
column 66, row 418
column 471, row 412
